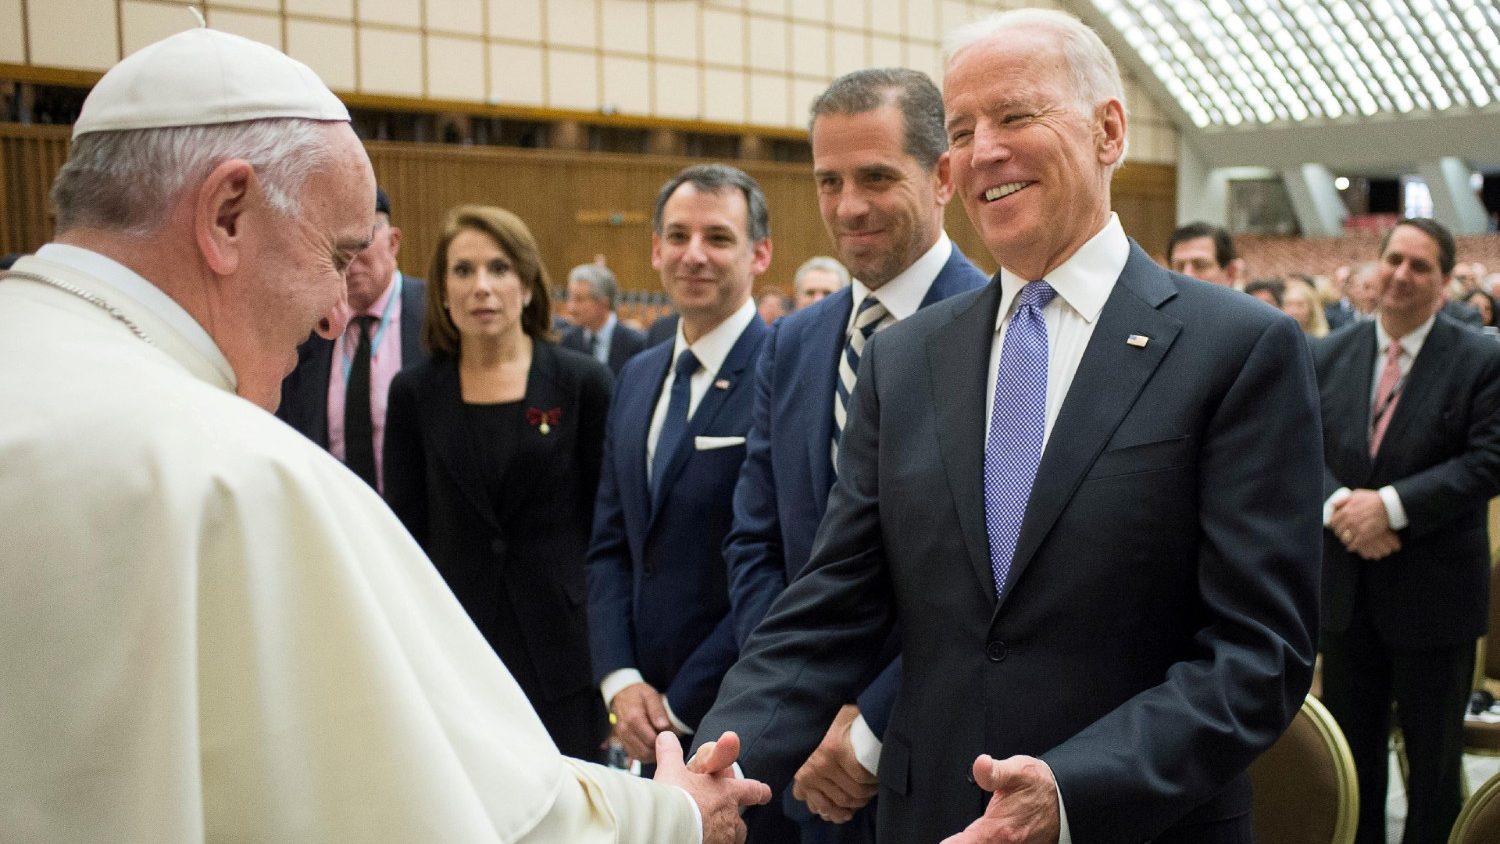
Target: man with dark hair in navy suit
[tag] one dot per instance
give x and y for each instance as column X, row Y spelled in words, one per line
column 387, row 309
column 659, row 623
column 1086, row 495
column 880, row 165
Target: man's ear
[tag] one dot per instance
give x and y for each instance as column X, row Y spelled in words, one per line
column 219, row 215
column 395, row 236
column 1109, row 132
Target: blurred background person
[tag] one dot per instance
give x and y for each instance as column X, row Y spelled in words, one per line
column 1300, row 301
column 593, row 294
column 492, row 456
column 1363, row 290
column 772, row 305
column 1205, row 252
column 1484, row 303
column 1268, row 290
column 818, row 277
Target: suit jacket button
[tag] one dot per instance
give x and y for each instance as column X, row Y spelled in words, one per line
column 995, row 651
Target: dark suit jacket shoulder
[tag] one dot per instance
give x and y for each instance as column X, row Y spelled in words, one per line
column 624, row 343
column 526, row 548
column 1156, row 631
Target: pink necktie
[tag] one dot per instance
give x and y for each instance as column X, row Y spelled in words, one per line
column 1386, row 396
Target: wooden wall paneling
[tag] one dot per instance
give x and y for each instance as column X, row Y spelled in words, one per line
column 30, row 157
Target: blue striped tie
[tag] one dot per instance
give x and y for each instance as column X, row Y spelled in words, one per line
column 1018, row 426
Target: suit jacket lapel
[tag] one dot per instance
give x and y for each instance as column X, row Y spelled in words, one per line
column 1349, row 397
column 1109, row 379
column 543, row 392
column 825, row 342
column 958, row 358
column 636, row 407
column 456, row 440
column 730, row 377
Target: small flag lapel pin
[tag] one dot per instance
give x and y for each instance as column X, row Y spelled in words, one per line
column 722, row 384
column 1137, row 340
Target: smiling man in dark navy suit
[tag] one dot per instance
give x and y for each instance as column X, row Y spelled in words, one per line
column 659, row 623
column 1087, row 495
column 881, row 169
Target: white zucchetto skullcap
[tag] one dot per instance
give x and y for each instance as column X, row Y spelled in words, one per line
column 204, row 77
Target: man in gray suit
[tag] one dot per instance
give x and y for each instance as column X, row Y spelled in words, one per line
column 1087, row 494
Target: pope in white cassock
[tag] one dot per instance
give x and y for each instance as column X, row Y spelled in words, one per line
column 209, row 628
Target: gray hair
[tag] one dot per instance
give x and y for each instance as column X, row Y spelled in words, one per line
column 910, row 91
column 1096, row 74
column 599, row 279
column 825, row 264
column 717, row 178
column 127, row 181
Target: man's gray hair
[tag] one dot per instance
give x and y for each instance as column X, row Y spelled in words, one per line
column 599, row 279
column 1096, row 74
column 910, row 91
column 127, row 181
column 825, row 264
column 717, row 178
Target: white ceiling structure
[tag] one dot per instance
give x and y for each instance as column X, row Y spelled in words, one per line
column 1359, row 87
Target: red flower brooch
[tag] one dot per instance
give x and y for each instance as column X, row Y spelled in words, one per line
column 543, row 420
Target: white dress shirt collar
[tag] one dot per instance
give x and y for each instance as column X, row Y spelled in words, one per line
column 1411, row 344
column 1084, row 281
column 903, row 295
column 712, row 348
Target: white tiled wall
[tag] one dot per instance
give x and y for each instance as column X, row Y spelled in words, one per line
column 744, row 62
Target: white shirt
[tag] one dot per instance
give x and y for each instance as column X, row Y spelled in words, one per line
column 711, row 349
column 1411, row 346
column 1083, row 284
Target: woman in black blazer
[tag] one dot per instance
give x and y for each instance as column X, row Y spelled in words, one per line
column 492, row 455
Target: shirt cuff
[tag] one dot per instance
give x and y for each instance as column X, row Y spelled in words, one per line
column 866, row 745
column 1333, row 501
column 1395, row 512
column 672, row 716
column 1064, row 836
column 617, row 681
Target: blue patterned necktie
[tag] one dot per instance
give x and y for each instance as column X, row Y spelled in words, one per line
column 872, row 317
column 1018, row 426
column 675, row 423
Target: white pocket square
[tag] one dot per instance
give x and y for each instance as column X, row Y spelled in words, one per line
column 711, row 443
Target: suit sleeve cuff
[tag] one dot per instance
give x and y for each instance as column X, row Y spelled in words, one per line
column 677, row 723
column 866, row 745
column 1395, row 512
column 1333, row 501
column 617, row 681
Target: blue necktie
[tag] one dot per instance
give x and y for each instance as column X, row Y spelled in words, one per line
column 871, row 318
column 1018, row 426
column 675, row 425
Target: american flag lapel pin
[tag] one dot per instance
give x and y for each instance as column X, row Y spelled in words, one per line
column 1137, row 340
column 721, row 384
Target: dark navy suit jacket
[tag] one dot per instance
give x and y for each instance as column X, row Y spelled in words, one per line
column 1157, row 630
column 783, row 487
column 658, row 597
column 304, row 393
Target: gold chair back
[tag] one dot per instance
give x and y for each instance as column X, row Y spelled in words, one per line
column 1304, row 785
